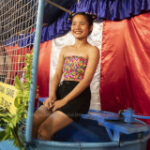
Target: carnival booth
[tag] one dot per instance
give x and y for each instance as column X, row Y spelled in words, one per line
column 32, row 33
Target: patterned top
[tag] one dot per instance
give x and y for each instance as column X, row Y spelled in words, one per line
column 74, row 67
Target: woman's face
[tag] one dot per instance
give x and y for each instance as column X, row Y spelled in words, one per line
column 80, row 27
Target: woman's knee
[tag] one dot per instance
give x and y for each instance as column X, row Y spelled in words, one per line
column 44, row 133
column 38, row 117
column 41, row 112
column 35, row 117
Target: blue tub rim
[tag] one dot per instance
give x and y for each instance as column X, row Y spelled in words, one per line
column 92, row 144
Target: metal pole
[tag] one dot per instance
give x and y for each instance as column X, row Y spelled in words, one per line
column 58, row 6
column 37, row 39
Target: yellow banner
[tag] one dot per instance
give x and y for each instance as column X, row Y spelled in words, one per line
column 7, row 97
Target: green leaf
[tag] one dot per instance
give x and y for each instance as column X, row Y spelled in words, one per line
column 2, row 134
column 18, row 84
column 13, row 123
column 16, row 102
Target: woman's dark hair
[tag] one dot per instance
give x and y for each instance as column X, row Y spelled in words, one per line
column 89, row 17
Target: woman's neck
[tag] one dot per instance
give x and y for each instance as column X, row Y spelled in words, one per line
column 80, row 43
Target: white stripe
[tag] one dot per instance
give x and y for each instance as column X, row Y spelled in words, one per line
column 96, row 39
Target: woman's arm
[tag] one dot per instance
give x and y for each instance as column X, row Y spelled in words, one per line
column 93, row 59
column 56, row 80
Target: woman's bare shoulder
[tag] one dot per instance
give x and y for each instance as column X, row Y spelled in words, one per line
column 67, row 48
column 93, row 50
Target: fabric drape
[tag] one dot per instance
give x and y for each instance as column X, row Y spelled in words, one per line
column 44, row 69
column 104, row 9
column 125, row 65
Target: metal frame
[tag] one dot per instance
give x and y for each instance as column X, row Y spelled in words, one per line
column 37, row 40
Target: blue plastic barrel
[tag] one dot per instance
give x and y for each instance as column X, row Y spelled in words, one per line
column 90, row 135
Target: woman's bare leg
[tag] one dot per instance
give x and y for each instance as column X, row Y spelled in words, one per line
column 39, row 116
column 55, row 122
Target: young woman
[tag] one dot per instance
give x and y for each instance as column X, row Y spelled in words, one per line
column 68, row 100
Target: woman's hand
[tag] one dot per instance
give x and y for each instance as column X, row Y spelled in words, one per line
column 48, row 103
column 58, row 104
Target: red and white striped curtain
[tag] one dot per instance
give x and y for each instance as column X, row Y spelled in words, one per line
column 122, row 79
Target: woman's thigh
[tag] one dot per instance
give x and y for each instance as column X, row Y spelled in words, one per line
column 55, row 122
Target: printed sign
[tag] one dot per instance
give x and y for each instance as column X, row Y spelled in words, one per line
column 7, row 97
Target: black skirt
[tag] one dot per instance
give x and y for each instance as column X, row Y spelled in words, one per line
column 77, row 106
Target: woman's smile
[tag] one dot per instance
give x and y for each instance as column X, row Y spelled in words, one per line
column 77, row 31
